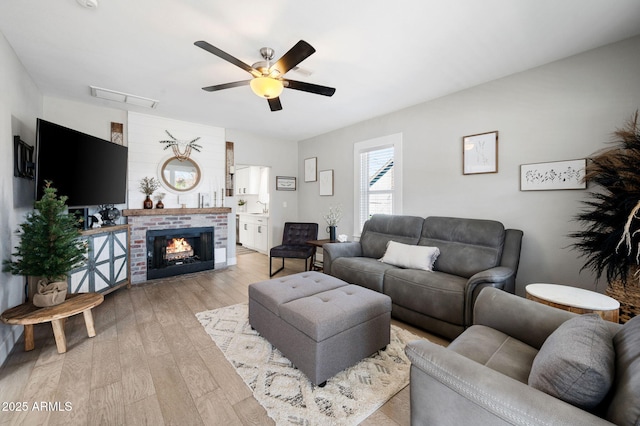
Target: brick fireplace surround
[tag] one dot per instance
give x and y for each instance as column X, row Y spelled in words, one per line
column 141, row 220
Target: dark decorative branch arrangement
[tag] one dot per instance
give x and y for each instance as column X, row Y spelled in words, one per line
column 611, row 241
column 181, row 153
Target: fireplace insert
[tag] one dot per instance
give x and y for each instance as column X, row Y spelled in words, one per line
column 179, row 251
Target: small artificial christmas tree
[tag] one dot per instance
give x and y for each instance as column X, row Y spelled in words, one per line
column 49, row 245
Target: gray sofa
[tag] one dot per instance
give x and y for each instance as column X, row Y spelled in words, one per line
column 482, row 376
column 474, row 254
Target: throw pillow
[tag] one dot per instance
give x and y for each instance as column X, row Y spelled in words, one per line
column 576, row 363
column 410, row 256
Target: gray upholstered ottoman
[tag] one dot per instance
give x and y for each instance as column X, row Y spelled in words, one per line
column 320, row 323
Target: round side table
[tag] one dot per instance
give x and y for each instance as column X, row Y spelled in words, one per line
column 27, row 314
column 574, row 299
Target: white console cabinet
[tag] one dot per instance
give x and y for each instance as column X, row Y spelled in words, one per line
column 107, row 266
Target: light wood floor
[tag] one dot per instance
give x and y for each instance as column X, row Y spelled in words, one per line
column 151, row 361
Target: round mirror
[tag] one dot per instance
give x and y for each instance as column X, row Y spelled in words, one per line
column 180, row 175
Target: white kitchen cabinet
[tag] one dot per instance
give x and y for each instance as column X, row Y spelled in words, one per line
column 247, row 233
column 254, row 232
column 248, row 180
column 261, row 234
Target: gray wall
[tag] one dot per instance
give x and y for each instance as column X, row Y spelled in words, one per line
column 561, row 111
column 282, row 158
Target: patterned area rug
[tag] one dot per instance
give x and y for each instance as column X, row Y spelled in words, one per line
column 287, row 395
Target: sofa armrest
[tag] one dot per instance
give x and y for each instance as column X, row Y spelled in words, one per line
column 511, row 256
column 450, row 389
column 332, row 251
column 528, row 321
column 497, row 277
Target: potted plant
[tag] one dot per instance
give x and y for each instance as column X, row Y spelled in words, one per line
column 148, row 186
column 610, row 241
column 49, row 248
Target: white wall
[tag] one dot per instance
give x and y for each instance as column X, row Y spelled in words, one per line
column 147, row 154
column 560, row 111
column 86, row 118
column 20, row 105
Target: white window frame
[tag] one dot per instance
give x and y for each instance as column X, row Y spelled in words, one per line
column 394, row 140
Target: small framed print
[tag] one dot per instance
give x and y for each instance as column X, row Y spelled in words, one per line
column 117, row 133
column 285, row 183
column 568, row 174
column 326, row 182
column 310, row 169
column 480, row 153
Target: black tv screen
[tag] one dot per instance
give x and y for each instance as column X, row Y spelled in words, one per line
column 89, row 170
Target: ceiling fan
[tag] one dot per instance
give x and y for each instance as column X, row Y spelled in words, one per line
column 268, row 81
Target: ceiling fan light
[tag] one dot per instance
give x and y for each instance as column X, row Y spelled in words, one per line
column 266, row 87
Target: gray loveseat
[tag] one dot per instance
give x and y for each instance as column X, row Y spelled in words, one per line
column 483, row 376
column 474, row 254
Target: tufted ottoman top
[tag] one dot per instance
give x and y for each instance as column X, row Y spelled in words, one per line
column 273, row 293
column 319, row 305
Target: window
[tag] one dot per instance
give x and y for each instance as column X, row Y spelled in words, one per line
column 378, row 178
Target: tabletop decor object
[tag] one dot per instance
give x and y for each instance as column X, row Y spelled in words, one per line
column 333, row 218
column 148, row 186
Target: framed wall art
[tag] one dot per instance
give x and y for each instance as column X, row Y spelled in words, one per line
column 480, row 153
column 117, row 135
column 310, row 169
column 568, row 174
column 285, row 183
column 326, row 182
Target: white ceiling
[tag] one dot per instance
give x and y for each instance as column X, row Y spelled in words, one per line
column 381, row 56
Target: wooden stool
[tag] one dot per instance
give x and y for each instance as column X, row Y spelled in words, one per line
column 27, row 314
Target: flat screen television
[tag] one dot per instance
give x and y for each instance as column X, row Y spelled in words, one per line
column 89, row 170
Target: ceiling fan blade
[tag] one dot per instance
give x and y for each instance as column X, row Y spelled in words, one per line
column 298, row 53
column 309, row 87
column 275, row 104
column 226, row 85
column 224, row 55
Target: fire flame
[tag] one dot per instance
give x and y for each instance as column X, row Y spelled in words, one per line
column 178, row 245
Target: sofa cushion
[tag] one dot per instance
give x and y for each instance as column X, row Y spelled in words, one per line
column 363, row 271
column 576, row 363
column 467, row 246
column 410, row 256
column 624, row 408
column 381, row 229
column 435, row 294
column 497, row 350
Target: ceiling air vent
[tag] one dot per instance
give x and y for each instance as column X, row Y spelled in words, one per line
column 113, row 95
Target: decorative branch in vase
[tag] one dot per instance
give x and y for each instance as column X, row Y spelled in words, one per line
column 148, row 185
column 333, row 218
column 159, row 198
